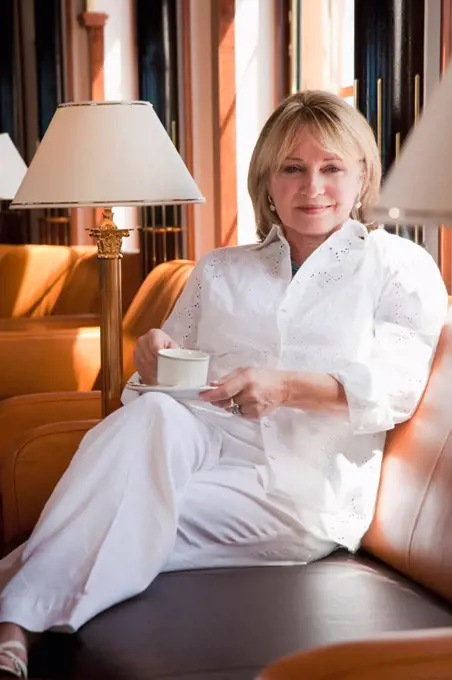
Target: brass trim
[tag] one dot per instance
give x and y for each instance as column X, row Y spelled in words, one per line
column 160, row 230
column 174, row 208
column 397, row 154
column 397, row 145
column 417, row 113
column 101, row 204
column 417, row 98
column 154, row 238
column 380, row 115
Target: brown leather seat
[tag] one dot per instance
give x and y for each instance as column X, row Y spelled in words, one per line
column 229, row 623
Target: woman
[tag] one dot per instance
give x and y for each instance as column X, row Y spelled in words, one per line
column 321, row 338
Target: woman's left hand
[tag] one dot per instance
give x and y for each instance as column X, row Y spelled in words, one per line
column 257, row 391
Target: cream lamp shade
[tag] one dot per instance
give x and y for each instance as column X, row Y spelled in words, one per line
column 418, row 188
column 106, row 154
column 12, row 168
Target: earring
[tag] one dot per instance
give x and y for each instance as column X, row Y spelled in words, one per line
column 271, row 204
column 358, row 204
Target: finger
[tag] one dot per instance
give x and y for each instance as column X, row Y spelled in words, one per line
column 229, row 376
column 144, row 350
column 171, row 344
column 225, row 391
column 224, row 404
column 144, row 364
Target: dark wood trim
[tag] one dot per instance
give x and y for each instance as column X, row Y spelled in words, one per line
column 445, row 233
column 67, row 22
column 446, row 33
column 281, row 30
column 68, row 27
column 95, row 22
column 223, row 16
column 188, row 120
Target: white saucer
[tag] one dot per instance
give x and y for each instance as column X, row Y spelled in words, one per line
column 175, row 391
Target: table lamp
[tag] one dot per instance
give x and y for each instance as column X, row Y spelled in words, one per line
column 106, row 154
column 12, row 168
column 418, row 188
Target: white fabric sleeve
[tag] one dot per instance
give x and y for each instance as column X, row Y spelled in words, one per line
column 386, row 389
column 182, row 323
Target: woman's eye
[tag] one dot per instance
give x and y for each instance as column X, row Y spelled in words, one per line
column 332, row 169
column 291, row 169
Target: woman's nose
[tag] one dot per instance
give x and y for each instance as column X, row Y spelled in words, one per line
column 312, row 184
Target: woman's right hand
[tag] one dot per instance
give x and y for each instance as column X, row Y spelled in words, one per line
column 145, row 354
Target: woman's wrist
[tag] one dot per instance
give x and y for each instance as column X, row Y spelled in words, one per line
column 312, row 391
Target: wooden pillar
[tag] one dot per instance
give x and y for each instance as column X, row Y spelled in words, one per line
column 223, row 35
column 95, row 22
column 445, row 233
column 188, row 121
column 282, row 49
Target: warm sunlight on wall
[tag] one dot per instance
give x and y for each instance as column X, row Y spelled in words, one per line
column 254, row 71
column 327, row 46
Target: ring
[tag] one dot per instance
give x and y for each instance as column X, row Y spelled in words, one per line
column 234, row 408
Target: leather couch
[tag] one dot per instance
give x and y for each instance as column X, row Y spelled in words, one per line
column 398, row 656
column 55, row 356
column 39, row 281
column 228, row 624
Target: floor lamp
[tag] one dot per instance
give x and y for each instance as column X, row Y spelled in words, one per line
column 418, row 188
column 12, row 172
column 106, row 154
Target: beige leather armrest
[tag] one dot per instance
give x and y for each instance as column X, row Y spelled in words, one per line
column 31, row 468
column 64, row 359
column 25, row 412
column 399, row 656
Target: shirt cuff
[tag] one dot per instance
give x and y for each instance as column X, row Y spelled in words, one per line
column 368, row 406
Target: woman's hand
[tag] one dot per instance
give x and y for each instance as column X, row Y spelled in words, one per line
column 145, row 354
column 258, row 391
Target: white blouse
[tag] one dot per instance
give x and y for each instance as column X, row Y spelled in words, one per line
column 366, row 308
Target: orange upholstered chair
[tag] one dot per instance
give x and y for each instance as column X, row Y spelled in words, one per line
column 34, row 367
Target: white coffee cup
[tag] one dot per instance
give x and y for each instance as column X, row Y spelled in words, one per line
column 184, row 367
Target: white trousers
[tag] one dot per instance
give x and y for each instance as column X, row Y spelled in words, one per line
column 154, row 487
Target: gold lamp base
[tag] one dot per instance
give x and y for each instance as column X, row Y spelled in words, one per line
column 109, row 242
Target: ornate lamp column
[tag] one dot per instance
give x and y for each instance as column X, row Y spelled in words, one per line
column 109, row 243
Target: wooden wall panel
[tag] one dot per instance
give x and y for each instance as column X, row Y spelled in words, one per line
column 223, row 17
column 445, row 233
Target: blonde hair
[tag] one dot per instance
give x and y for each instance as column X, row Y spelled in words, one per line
column 339, row 127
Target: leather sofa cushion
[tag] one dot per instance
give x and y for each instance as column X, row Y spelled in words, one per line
column 411, row 528
column 39, row 280
column 226, row 624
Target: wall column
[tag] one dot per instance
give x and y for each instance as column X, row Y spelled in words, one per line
column 95, row 22
column 223, row 17
column 445, row 232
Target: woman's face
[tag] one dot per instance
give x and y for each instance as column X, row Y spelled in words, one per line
column 314, row 191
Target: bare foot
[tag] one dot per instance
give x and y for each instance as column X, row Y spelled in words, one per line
column 14, row 642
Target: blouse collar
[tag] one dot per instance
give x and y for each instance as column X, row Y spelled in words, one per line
column 350, row 229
